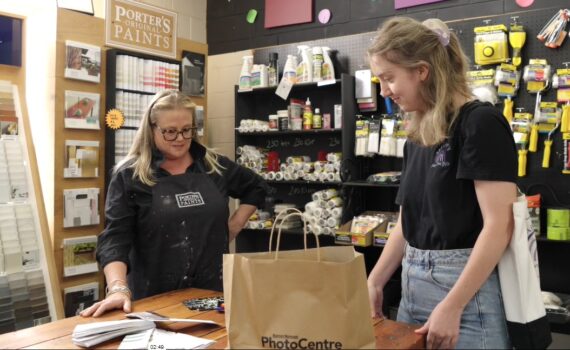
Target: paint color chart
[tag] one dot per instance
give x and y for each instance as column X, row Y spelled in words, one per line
column 23, row 294
column 140, row 74
column 8, row 119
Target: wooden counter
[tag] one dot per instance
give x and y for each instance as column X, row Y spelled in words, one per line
column 57, row 335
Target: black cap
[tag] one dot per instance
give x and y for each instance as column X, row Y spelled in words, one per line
column 273, row 56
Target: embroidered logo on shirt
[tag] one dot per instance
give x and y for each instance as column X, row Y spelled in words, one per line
column 189, row 199
column 440, row 159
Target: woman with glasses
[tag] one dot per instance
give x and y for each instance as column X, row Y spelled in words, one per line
column 167, row 209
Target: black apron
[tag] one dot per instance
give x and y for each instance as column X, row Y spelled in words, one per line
column 188, row 235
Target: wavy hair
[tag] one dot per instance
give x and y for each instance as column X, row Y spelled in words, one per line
column 410, row 44
column 139, row 157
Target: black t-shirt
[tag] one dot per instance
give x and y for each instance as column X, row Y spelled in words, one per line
column 437, row 192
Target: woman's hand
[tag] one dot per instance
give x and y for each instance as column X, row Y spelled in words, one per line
column 375, row 296
column 235, row 226
column 442, row 326
column 113, row 301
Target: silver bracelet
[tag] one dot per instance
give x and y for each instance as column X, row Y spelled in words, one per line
column 119, row 289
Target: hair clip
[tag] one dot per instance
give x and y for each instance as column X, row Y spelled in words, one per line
column 439, row 28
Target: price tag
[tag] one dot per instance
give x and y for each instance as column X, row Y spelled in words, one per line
column 284, row 89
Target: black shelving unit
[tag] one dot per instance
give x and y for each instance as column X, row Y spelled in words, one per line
column 110, row 100
column 259, row 104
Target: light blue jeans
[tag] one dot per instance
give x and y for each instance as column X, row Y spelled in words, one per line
column 427, row 277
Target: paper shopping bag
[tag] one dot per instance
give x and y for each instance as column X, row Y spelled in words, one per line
column 524, row 309
column 311, row 298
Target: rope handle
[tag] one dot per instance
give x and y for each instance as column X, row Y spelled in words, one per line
column 291, row 212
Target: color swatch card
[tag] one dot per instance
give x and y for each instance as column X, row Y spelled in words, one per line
column 81, row 207
column 81, row 158
column 79, row 255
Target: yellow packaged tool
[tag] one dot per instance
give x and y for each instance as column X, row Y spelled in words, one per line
column 507, row 82
column 561, row 81
column 537, row 77
column 566, row 159
column 491, row 44
column 549, row 121
column 521, row 126
column 482, row 84
column 517, row 38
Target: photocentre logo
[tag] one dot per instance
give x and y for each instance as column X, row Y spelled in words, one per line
column 189, row 199
column 279, row 341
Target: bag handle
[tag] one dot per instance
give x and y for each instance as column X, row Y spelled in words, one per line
column 281, row 214
column 287, row 213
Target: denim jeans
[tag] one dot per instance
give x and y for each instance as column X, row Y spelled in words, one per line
column 427, row 277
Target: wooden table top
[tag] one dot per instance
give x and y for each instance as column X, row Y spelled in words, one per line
column 57, row 334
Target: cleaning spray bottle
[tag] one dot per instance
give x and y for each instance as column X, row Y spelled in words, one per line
column 305, row 68
column 328, row 68
column 245, row 74
column 290, row 69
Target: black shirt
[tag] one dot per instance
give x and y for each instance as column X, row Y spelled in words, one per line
column 131, row 225
column 437, row 193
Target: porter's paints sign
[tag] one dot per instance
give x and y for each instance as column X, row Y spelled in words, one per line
column 140, row 27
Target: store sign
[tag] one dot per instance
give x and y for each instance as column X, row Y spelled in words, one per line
column 140, row 27
column 401, row 4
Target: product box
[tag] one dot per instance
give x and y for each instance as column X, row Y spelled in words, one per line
column 382, row 232
column 343, row 234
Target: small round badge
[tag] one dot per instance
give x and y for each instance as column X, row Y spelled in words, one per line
column 114, row 119
column 324, row 16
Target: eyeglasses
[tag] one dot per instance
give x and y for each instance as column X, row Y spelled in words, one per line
column 171, row 134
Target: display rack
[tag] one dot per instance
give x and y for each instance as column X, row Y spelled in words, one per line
column 29, row 287
column 259, row 104
column 132, row 80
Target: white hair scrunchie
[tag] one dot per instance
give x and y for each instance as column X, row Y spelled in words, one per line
column 439, row 28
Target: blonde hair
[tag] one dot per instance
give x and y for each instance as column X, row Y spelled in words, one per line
column 139, row 157
column 410, row 44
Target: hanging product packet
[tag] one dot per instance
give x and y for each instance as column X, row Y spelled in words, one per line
column 310, row 298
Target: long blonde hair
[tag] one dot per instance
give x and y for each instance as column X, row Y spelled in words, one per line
column 139, row 157
column 410, row 44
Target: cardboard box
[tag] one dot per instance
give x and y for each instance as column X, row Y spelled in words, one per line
column 382, row 232
column 344, row 236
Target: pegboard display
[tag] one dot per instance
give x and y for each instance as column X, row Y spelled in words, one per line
column 350, row 55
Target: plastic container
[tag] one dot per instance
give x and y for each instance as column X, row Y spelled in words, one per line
column 308, row 116
column 273, row 70
column 245, row 74
column 290, row 69
column 317, row 119
column 317, row 63
column 305, row 68
column 328, row 68
column 273, row 122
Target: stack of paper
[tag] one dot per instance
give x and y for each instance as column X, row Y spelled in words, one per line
column 161, row 339
column 90, row 334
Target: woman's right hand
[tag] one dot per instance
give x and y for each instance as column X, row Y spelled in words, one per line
column 111, row 302
column 376, row 296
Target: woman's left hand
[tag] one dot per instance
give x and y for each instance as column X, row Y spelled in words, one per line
column 235, row 226
column 442, row 326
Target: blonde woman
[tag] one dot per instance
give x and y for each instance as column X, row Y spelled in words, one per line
column 457, row 188
column 167, row 209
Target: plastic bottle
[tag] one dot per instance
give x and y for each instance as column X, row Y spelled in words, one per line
column 318, row 61
column 308, row 116
column 273, row 70
column 258, row 76
column 289, row 71
column 317, row 119
column 328, row 68
column 245, row 75
column 305, row 68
